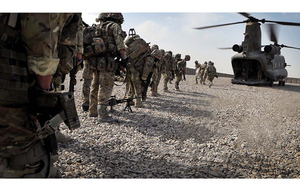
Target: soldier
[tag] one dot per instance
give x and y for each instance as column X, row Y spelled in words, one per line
column 197, row 71
column 157, row 54
column 211, row 73
column 70, row 58
column 156, row 69
column 203, row 74
column 139, row 69
column 168, row 69
column 180, row 71
column 109, row 43
column 22, row 152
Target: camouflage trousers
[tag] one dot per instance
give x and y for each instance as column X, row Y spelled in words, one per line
column 178, row 78
column 101, row 89
column 87, row 75
column 166, row 78
column 197, row 75
column 203, row 76
column 210, row 78
column 133, row 84
column 155, row 79
column 21, row 153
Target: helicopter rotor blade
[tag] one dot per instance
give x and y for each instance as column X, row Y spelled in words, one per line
column 273, row 33
column 213, row 26
column 225, row 48
column 284, row 23
column 289, row 47
column 245, row 14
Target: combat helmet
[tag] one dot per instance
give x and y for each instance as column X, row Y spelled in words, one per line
column 177, row 56
column 153, row 47
column 102, row 17
column 187, row 57
column 210, row 62
column 157, row 53
column 205, row 62
column 167, row 56
column 116, row 17
column 169, row 52
column 196, row 62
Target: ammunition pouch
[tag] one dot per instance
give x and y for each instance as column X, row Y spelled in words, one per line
column 95, row 49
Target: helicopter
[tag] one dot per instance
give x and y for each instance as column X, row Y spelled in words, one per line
column 252, row 65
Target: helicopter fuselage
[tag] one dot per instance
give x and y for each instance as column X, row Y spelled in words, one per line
column 252, row 66
column 258, row 68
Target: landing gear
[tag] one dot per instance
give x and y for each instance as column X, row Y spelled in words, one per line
column 281, row 83
column 271, row 83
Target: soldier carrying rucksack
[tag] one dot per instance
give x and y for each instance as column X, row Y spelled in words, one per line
column 107, row 43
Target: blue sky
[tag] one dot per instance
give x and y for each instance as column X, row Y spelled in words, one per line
column 170, row 24
column 174, row 31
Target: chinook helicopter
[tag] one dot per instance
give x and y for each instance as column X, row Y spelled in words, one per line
column 252, row 65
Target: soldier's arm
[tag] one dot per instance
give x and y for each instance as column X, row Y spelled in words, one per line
column 119, row 39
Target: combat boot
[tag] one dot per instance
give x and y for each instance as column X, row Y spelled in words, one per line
column 103, row 115
column 85, row 108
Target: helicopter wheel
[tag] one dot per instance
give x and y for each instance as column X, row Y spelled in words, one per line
column 283, row 83
column 271, row 84
column 280, row 83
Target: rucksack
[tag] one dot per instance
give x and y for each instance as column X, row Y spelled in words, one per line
column 136, row 46
column 93, row 44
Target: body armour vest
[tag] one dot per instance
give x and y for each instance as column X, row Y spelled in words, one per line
column 13, row 67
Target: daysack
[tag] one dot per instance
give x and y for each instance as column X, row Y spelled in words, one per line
column 93, row 44
column 136, row 46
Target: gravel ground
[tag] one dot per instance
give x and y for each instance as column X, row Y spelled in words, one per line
column 226, row 131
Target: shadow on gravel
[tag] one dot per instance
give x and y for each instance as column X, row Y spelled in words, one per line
column 165, row 129
column 106, row 161
column 178, row 105
column 287, row 87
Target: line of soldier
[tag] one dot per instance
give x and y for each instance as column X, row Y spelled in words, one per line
column 37, row 51
column 143, row 66
column 205, row 71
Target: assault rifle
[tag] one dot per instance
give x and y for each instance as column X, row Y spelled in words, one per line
column 145, row 85
column 113, row 101
column 122, row 64
column 51, row 109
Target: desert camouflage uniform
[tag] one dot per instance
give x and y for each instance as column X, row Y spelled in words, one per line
column 180, row 70
column 197, row 71
column 167, row 68
column 203, row 73
column 104, row 68
column 137, row 73
column 22, row 154
column 157, row 69
column 211, row 73
column 68, row 54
